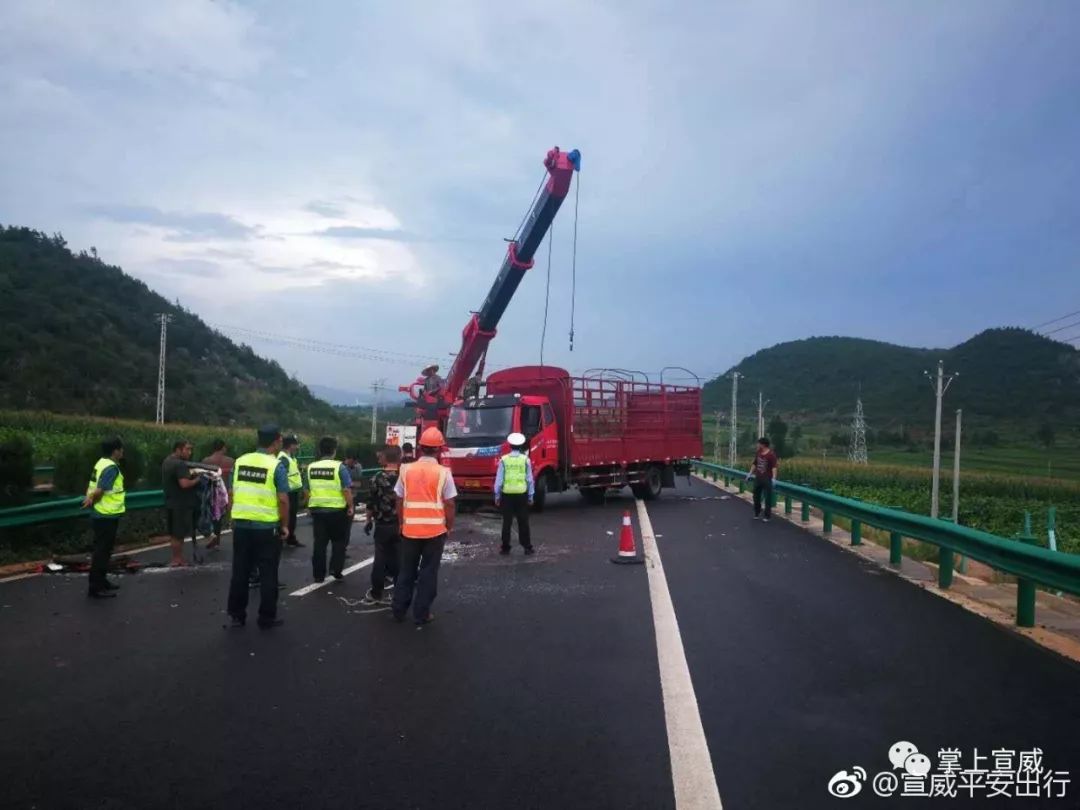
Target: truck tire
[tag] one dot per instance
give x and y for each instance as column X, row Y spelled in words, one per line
column 650, row 488
column 540, row 493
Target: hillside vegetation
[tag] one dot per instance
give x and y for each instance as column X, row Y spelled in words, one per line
column 80, row 336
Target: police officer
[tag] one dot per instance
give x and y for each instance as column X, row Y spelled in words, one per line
column 425, row 491
column 331, row 504
column 260, row 516
column 514, row 489
column 105, row 493
column 289, row 450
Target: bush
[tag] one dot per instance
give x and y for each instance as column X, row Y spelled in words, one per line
column 16, row 470
column 75, row 464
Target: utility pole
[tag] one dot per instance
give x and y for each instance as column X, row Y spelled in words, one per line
column 159, row 417
column 376, row 387
column 716, row 435
column 733, row 441
column 761, row 414
column 956, row 486
column 940, row 385
column 858, row 453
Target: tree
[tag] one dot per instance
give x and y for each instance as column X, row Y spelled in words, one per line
column 777, row 430
column 1045, row 434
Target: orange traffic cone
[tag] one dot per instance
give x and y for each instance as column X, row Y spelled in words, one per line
column 627, row 552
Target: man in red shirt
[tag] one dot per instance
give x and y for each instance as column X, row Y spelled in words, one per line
column 763, row 469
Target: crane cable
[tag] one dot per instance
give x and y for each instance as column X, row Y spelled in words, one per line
column 547, row 294
column 573, row 266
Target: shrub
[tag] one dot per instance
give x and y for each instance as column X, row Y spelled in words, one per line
column 16, row 470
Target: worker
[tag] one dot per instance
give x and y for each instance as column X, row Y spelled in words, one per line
column 105, row 493
column 382, row 517
column 430, row 380
column 260, row 516
column 289, row 450
column 514, row 491
column 425, row 506
column 181, row 500
column 408, row 453
column 763, row 469
column 331, row 505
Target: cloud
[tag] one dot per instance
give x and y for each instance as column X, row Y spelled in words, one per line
column 325, row 209
column 180, row 226
column 351, row 232
column 190, row 267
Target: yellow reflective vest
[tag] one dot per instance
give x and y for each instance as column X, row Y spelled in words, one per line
column 112, row 503
column 255, row 496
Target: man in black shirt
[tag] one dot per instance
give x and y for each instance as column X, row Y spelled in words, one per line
column 181, row 500
column 382, row 516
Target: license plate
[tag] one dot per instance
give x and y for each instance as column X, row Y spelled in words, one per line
column 473, row 483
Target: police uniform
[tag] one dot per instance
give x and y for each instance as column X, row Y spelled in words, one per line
column 514, row 489
column 258, row 478
column 296, row 484
column 329, row 500
column 108, row 477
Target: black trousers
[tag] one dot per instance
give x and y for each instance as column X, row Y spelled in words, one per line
column 763, row 496
column 420, row 570
column 104, row 539
column 294, row 507
column 329, row 527
column 516, row 506
column 261, row 549
column 387, row 556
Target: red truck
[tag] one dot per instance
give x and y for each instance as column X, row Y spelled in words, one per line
column 595, row 432
column 603, row 430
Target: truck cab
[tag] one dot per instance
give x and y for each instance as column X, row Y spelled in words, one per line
column 476, row 432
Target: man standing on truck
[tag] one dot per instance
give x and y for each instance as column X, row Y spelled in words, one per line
column 763, row 469
column 514, row 490
column 425, row 491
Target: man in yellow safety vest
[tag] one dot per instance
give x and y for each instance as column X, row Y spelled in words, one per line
column 514, row 489
column 105, row 493
column 289, row 450
column 331, row 505
column 260, row 513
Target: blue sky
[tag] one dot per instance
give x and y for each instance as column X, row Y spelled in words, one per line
column 752, row 173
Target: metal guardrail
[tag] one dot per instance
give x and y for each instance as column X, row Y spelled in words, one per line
column 1019, row 557
column 69, row 508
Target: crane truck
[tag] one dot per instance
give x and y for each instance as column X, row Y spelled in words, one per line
column 607, row 429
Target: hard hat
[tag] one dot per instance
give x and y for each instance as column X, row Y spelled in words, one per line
column 432, row 369
column 516, row 439
column 432, row 437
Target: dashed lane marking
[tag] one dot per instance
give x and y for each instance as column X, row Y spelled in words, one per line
column 691, row 764
column 314, row 586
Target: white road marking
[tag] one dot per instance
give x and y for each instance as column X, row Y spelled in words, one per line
column 314, row 586
column 691, row 765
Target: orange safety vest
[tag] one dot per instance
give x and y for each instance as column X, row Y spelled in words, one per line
column 424, row 513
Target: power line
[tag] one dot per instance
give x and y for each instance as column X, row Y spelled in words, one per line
column 1062, row 328
column 325, row 347
column 1055, row 320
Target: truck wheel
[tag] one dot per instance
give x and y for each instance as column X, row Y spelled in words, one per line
column 650, row 488
column 540, row 493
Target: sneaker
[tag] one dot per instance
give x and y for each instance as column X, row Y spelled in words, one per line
column 757, row 517
column 266, row 624
column 370, row 599
column 338, row 575
column 236, row 622
column 388, row 583
column 103, row 594
column 426, row 620
column 764, row 520
column 111, row 586
column 530, row 550
column 318, row 579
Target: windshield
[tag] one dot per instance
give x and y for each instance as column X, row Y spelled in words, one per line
column 476, row 426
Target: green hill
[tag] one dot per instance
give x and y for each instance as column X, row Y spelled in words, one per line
column 80, row 337
column 1010, row 380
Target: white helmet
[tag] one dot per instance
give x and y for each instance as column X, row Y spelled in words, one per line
column 516, row 439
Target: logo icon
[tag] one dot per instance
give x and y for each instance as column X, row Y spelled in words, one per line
column 844, row 785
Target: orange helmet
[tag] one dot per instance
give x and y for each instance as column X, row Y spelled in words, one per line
column 432, row 437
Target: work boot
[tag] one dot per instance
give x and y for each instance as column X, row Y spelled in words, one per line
column 111, row 586
column 529, row 550
column 101, row 594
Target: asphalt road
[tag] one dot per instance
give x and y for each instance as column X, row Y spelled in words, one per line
column 536, row 687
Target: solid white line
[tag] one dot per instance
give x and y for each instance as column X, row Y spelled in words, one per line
column 314, row 586
column 691, row 765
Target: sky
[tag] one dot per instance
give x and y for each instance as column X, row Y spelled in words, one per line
column 752, row 173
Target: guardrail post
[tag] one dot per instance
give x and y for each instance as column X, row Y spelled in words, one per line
column 945, row 568
column 805, row 516
column 787, row 503
column 742, row 485
column 772, row 498
column 727, row 481
column 856, row 532
column 826, row 522
column 896, row 548
column 1025, row 588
